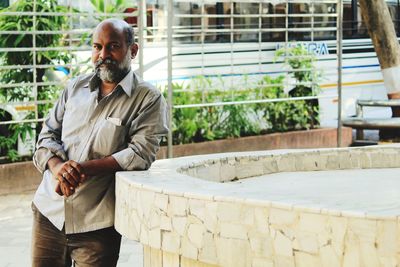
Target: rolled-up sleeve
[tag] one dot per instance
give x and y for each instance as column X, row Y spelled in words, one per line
column 49, row 142
column 145, row 133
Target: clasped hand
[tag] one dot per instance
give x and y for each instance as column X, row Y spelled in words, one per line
column 70, row 175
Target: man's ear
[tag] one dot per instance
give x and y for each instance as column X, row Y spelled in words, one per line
column 134, row 50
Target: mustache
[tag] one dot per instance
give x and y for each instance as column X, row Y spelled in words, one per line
column 99, row 62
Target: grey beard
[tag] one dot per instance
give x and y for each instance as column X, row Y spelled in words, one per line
column 116, row 73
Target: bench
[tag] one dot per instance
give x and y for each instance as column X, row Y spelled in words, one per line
column 359, row 123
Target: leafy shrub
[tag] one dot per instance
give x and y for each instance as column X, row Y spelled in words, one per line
column 196, row 124
column 23, row 75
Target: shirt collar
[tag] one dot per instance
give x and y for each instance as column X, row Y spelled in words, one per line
column 128, row 83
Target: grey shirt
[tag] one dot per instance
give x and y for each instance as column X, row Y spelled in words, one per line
column 126, row 124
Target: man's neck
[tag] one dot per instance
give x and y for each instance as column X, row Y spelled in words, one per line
column 107, row 88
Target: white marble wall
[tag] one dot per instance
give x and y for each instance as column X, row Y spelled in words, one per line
column 168, row 211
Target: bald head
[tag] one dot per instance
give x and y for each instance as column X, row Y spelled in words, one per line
column 113, row 50
column 119, row 26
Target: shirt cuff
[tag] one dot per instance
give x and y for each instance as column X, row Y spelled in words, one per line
column 128, row 160
column 42, row 156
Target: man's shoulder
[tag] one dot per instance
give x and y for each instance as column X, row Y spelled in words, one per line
column 81, row 80
column 148, row 89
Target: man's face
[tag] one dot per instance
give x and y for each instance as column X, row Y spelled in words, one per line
column 110, row 54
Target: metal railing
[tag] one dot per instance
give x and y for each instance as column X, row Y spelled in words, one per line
column 182, row 43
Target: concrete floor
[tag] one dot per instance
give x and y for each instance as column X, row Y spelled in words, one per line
column 15, row 235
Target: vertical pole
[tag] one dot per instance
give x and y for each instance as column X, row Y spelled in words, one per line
column 140, row 36
column 312, row 20
column 34, row 55
column 339, row 55
column 260, row 59
column 170, row 100
column 354, row 17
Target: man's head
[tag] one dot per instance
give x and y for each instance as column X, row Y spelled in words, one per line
column 113, row 49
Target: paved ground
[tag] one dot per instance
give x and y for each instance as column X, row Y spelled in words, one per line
column 15, row 235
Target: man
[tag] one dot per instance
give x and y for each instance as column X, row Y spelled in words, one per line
column 103, row 122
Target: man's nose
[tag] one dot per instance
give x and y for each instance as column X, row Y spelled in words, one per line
column 104, row 53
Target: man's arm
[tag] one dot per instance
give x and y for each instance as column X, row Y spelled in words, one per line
column 145, row 134
column 100, row 166
column 49, row 142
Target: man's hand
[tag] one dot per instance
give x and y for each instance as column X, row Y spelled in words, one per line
column 70, row 175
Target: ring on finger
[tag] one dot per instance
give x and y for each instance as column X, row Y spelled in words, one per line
column 64, row 174
column 70, row 170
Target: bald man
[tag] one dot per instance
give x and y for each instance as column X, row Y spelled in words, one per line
column 104, row 122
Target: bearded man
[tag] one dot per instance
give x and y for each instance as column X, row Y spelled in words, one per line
column 104, row 122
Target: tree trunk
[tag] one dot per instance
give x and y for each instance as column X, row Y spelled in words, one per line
column 376, row 16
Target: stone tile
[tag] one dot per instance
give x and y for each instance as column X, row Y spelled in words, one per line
column 161, row 202
column 365, row 230
column 228, row 212
column 313, row 223
column 209, row 172
column 177, row 206
column 195, row 234
column 249, row 168
column 155, row 238
column 351, row 252
column 329, row 258
column 344, row 160
column 136, row 222
column 306, row 242
column 247, row 216
column 286, row 163
column 338, row 229
column 282, row 217
column 144, row 235
column 208, row 252
column 282, row 245
column 194, row 220
column 369, row 256
column 270, row 165
column 170, row 242
column 188, row 249
column 171, row 259
column 282, row 261
column 387, row 238
column 233, row 252
column 261, row 220
column 261, row 262
column 197, row 208
column 306, row 260
column 365, row 160
column 227, row 172
column 261, row 246
column 179, row 225
column 165, row 223
column 145, row 200
column 154, row 221
column 210, row 217
column 230, row 230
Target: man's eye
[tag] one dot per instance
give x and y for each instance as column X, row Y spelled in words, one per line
column 114, row 46
column 96, row 47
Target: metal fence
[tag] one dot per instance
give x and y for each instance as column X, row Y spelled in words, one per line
column 229, row 41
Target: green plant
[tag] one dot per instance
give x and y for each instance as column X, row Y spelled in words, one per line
column 25, row 22
column 109, row 7
column 307, row 77
column 226, row 121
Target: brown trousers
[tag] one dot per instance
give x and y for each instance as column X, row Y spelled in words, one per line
column 53, row 248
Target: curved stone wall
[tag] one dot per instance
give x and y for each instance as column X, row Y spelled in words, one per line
column 186, row 221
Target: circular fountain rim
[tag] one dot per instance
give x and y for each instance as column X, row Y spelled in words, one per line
column 170, row 176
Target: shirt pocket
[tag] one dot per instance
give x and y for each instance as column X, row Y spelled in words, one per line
column 109, row 138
